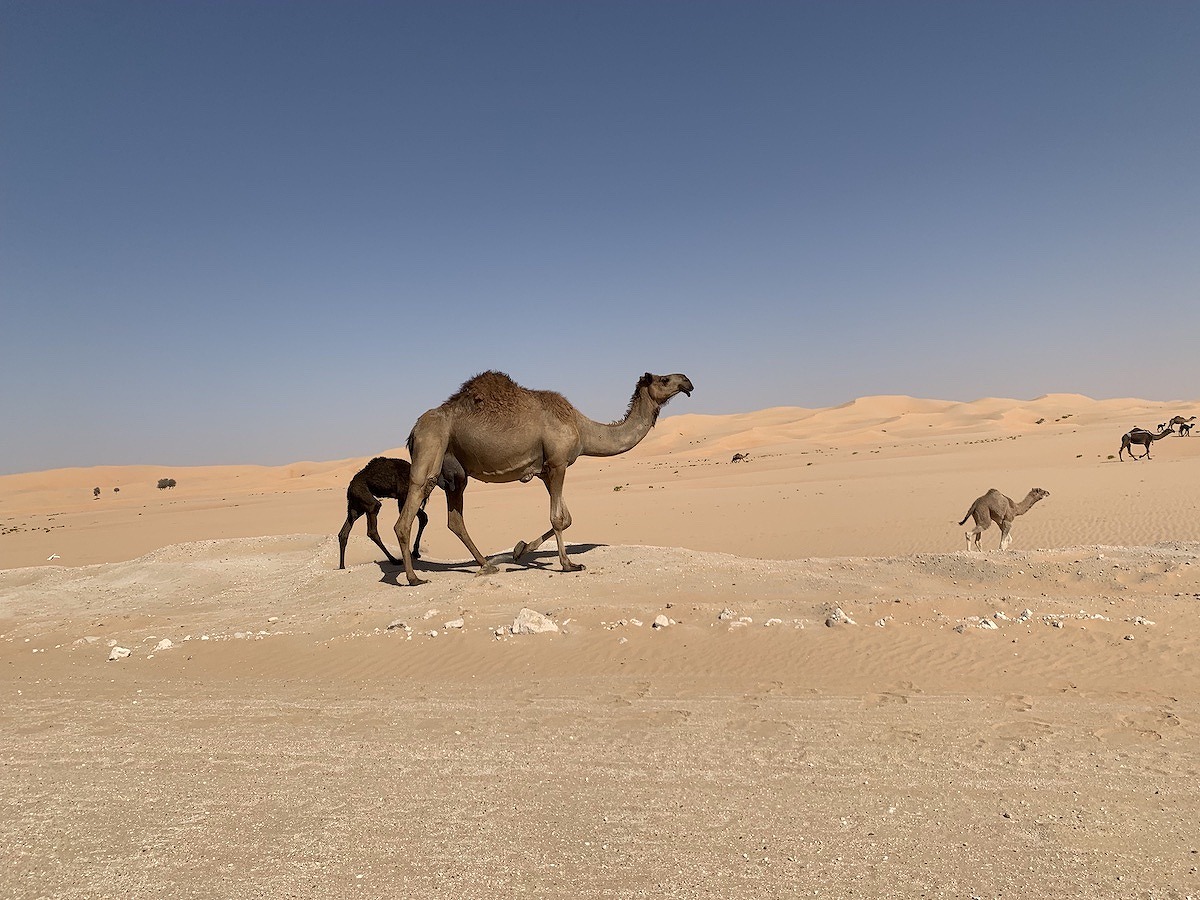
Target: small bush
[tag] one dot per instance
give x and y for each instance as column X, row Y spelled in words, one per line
column 164, row 483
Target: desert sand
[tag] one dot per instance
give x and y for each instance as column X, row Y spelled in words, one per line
column 844, row 702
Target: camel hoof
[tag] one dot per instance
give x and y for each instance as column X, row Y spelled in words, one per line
column 414, row 581
column 574, row 567
column 487, row 569
column 519, row 550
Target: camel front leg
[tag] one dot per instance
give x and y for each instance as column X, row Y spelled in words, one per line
column 344, row 536
column 454, row 521
column 422, row 521
column 1005, row 535
column 560, row 516
column 417, row 492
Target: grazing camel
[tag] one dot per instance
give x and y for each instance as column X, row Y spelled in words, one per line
column 995, row 507
column 494, row 430
column 1142, row 438
column 381, row 477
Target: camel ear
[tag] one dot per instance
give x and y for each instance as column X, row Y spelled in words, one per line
column 645, row 380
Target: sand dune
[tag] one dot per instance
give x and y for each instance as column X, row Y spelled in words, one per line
column 844, row 701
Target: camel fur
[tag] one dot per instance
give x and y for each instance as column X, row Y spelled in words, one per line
column 995, row 507
column 381, row 477
column 496, row 431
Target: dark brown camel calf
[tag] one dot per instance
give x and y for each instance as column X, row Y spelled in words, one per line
column 381, row 477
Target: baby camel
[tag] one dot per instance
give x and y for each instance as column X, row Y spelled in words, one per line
column 381, row 477
column 995, row 507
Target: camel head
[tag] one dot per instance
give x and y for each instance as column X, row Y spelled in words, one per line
column 662, row 388
column 1038, row 494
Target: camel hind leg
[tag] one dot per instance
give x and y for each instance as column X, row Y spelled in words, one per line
column 975, row 535
column 373, row 531
column 455, row 522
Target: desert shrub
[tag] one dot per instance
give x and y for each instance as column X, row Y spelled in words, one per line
column 164, row 483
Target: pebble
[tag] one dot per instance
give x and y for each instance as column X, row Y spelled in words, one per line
column 118, row 653
column 661, row 621
column 726, row 614
column 454, row 623
column 164, row 644
column 397, row 623
column 1129, row 637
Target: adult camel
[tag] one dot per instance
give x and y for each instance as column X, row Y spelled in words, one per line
column 1142, row 438
column 496, row 431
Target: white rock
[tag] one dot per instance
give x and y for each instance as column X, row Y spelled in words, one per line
column 397, row 623
column 118, row 653
column 661, row 621
column 726, row 614
column 430, row 614
column 988, row 624
column 454, row 623
column 839, row 617
column 530, row 621
column 771, row 622
column 164, row 644
column 881, row 622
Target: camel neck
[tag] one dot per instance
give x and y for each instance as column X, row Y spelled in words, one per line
column 610, row 440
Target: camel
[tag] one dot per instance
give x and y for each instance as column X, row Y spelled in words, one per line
column 995, row 507
column 1185, row 429
column 496, row 431
column 1142, row 438
column 381, row 477
column 1179, row 420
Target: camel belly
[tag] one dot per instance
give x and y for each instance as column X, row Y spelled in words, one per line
column 516, row 467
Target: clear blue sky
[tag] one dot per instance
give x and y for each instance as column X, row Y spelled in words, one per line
column 273, row 231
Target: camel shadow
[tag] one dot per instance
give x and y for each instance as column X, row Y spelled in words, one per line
column 393, row 573
column 545, row 559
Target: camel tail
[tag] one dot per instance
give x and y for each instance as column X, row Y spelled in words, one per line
column 409, row 442
column 964, row 518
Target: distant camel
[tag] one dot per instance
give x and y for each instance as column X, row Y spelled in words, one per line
column 1179, row 420
column 740, row 457
column 995, row 507
column 381, row 477
column 1142, row 438
column 494, row 430
column 1185, row 429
